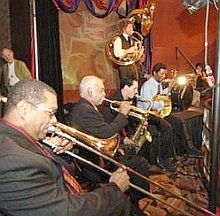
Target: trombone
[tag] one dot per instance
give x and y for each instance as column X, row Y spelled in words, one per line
column 70, row 134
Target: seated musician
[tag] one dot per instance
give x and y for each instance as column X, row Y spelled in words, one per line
column 129, row 88
column 32, row 181
column 149, row 90
column 202, row 83
column 86, row 116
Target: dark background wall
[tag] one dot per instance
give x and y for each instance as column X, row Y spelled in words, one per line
column 15, row 28
column 20, row 29
column 5, row 38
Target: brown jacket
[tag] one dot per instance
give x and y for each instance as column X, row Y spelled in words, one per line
column 21, row 71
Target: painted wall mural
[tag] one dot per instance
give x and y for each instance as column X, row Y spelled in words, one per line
column 82, row 41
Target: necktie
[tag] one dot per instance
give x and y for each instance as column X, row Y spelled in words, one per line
column 129, row 40
column 70, row 181
column 158, row 89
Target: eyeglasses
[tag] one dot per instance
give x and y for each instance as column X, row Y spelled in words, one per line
column 51, row 112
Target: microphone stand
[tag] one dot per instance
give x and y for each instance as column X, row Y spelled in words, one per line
column 215, row 131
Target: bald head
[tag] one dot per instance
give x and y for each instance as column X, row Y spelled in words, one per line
column 8, row 55
column 92, row 89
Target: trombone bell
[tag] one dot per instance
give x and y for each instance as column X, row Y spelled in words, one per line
column 107, row 146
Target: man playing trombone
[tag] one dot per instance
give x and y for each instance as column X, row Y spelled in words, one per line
column 86, row 117
column 32, row 181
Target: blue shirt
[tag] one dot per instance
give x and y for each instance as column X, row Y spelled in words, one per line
column 149, row 90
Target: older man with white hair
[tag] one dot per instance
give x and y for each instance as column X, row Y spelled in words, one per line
column 86, row 117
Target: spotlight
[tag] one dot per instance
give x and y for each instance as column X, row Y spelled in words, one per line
column 181, row 80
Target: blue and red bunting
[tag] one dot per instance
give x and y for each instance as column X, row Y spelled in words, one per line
column 71, row 6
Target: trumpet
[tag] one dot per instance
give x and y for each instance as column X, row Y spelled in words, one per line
column 135, row 111
column 72, row 135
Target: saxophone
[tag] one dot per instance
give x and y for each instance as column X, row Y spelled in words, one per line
column 141, row 136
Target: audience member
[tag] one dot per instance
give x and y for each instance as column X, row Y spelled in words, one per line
column 13, row 71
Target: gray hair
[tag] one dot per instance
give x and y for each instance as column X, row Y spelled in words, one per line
column 29, row 90
column 87, row 83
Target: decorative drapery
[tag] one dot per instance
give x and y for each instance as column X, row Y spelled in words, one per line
column 71, row 6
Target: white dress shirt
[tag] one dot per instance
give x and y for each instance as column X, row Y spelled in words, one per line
column 13, row 79
column 117, row 47
column 149, row 90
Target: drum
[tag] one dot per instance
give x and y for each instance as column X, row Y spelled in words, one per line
column 181, row 96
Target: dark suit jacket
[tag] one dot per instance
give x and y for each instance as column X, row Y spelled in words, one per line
column 126, row 71
column 110, row 114
column 84, row 116
column 31, row 184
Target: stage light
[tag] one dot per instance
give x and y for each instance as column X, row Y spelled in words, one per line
column 194, row 5
column 181, row 80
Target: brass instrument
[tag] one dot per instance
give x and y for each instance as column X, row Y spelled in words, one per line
column 167, row 106
column 107, row 146
column 140, row 136
column 144, row 16
column 72, row 135
column 135, row 111
column 129, row 58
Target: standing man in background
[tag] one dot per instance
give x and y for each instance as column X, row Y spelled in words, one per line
column 12, row 72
